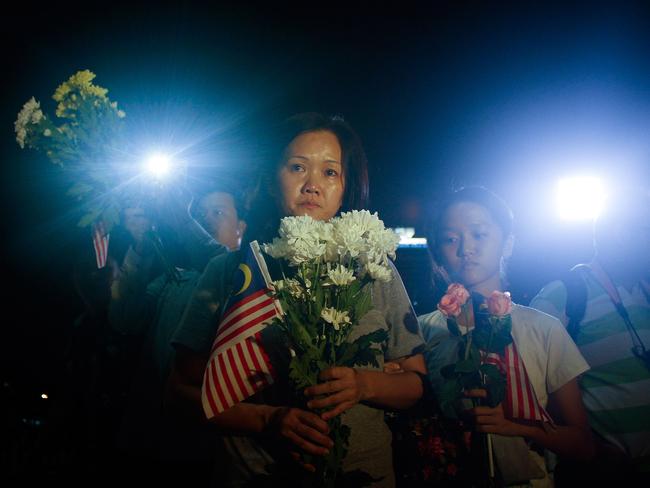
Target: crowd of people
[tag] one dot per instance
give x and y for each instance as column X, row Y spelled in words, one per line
column 581, row 343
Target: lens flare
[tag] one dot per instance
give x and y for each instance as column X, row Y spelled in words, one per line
column 159, row 165
column 580, row 198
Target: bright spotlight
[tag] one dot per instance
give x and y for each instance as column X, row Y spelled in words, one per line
column 159, row 165
column 580, row 198
column 44, row 396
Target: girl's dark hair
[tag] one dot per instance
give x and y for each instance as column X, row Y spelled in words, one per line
column 264, row 215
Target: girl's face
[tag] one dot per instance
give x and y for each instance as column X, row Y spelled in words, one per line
column 471, row 245
column 311, row 176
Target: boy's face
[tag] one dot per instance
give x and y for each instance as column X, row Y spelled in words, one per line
column 136, row 222
column 219, row 217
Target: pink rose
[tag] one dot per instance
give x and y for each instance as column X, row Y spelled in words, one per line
column 454, row 299
column 458, row 291
column 499, row 303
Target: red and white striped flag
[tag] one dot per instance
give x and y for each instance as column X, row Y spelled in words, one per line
column 520, row 402
column 238, row 365
column 100, row 243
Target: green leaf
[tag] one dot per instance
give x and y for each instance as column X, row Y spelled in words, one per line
column 79, row 189
column 319, row 301
column 367, row 357
column 471, row 381
column 362, row 304
column 468, row 365
column 495, row 384
column 493, row 334
column 452, row 325
column 301, row 372
column 111, row 217
column 89, row 217
column 448, row 371
column 297, row 330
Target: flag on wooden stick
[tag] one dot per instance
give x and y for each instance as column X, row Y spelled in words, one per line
column 239, row 365
column 100, row 243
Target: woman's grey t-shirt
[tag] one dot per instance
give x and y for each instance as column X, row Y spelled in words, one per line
column 370, row 439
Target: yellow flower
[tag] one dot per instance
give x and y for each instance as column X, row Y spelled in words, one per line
column 83, row 77
column 62, row 90
column 80, row 82
column 93, row 90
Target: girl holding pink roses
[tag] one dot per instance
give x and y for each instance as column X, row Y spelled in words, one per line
column 538, row 406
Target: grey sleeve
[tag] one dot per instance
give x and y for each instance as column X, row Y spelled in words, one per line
column 198, row 326
column 200, row 245
column 441, row 347
column 405, row 338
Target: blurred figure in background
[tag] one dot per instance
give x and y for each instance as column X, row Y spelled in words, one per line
column 605, row 306
column 159, row 447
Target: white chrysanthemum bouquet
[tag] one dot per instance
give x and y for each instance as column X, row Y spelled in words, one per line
column 324, row 292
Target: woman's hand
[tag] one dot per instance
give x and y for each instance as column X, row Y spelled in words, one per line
column 303, row 429
column 343, row 389
column 392, row 367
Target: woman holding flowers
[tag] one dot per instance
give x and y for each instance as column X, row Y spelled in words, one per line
column 318, row 168
column 522, row 357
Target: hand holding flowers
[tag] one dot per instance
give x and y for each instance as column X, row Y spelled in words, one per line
column 483, row 331
column 323, row 293
column 82, row 138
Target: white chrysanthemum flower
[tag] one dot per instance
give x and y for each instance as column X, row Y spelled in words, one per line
column 340, row 275
column 363, row 220
column 21, row 135
column 335, row 317
column 47, row 132
column 303, row 239
column 295, row 288
column 37, row 116
column 379, row 272
column 277, row 249
column 29, row 114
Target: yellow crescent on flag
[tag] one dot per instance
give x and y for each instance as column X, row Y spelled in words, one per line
column 248, row 276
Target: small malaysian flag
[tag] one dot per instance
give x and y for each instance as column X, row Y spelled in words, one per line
column 520, row 402
column 238, row 365
column 100, row 243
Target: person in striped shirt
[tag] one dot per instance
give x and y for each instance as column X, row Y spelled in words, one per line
column 470, row 237
column 612, row 330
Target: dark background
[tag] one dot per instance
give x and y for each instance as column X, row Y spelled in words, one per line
column 511, row 96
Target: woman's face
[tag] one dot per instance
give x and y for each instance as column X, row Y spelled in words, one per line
column 311, row 176
column 471, row 245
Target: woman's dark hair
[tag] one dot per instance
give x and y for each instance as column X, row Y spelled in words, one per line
column 495, row 205
column 264, row 216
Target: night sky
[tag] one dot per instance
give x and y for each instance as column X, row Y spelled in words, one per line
column 442, row 93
